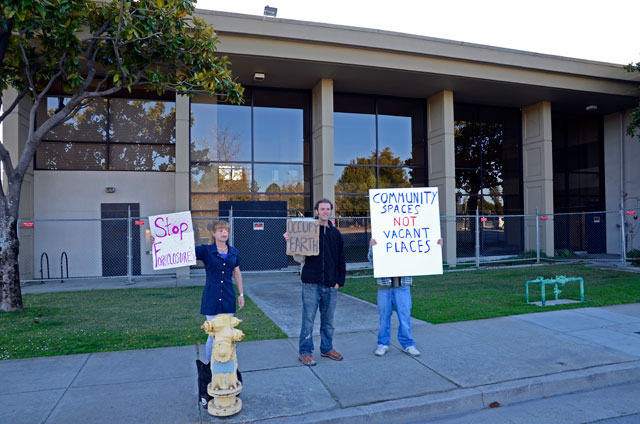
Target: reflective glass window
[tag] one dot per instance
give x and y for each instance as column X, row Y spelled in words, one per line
column 220, row 132
column 128, row 135
column 142, row 121
column 88, row 124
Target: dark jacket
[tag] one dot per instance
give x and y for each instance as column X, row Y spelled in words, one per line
column 329, row 267
column 218, row 296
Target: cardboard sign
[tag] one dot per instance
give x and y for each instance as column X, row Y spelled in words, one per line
column 304, row 236
column 173, row 244
column 405, row 223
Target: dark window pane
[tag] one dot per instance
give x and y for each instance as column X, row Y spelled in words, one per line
column 279, row 178
column 355, row 137
column 89, row 124
column 141, row 157
column 355, row 179
column 142, row 121
column 228, row 177
column 77, row 156
column 352, row 205
column 278, row 134
column 354, row 103
column 220, row 132
column 466, row 147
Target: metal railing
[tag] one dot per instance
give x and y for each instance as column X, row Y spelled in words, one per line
column 121, row 247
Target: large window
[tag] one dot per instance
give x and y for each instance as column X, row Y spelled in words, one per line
column 488, row 164
column 578, row 147
column 110, row 134
column 488, row 178
column 379, row 143
column 578, row 182
column 256, row 151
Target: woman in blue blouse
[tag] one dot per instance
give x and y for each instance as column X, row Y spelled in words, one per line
column 221, row 262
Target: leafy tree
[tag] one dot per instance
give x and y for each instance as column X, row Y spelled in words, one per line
column 634, row 126
column 85, row 51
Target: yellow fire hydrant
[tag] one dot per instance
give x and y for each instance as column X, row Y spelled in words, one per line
column 224, row 385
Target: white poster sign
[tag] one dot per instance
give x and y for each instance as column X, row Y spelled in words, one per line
column 173, row 242
column 405, row 222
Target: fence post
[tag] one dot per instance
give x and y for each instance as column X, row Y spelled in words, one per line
column 623, row 251
column 537, row 237
column 231, row 225
column 477, row 239
column 129, row 252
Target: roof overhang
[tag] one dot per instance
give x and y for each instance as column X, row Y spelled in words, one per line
column 295, row 54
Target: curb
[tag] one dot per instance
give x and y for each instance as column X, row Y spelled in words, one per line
column 472, row 399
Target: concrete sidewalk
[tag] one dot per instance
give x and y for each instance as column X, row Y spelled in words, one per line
column 464, row 366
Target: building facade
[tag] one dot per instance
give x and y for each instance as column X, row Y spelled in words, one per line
column 332, row 111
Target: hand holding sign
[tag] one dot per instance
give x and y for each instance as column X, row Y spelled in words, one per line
column 172, row 239
column 302, row 236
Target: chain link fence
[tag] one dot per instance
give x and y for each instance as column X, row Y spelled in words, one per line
column 62, row 249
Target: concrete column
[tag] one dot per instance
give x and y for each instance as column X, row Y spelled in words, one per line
column 537, row 173
column 182, row 163
column 15, row 130
column 442, row 166
column 322, row 140
column 622, row 181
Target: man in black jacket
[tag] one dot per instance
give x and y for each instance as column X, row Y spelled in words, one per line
column 321, row 276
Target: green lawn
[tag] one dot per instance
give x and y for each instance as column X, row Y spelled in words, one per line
column 468, row 295
column 107, row 320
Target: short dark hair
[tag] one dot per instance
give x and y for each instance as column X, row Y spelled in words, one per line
column 323, row 200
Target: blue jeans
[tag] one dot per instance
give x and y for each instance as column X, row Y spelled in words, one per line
column 400, row 297
column 314, row 297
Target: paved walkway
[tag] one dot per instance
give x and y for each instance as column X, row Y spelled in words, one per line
column 464, row 367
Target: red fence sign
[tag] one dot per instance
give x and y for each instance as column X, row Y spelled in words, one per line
column 544, row 217
column 27, row 224
column 631, row 212
column 139, row 222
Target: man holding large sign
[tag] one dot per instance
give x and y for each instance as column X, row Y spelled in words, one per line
column 407, row 224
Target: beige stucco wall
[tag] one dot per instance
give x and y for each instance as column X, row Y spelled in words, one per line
column 442, row 172
column 537, row 173
column 621, row 153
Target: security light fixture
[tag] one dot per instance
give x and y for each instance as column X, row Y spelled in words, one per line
column 591, row 108
column 258, row 76
column 270, row 11
column 109, row 189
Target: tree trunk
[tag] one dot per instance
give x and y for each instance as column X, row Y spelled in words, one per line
column 10, row 293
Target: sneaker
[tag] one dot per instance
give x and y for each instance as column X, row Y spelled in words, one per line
column 381, row 350
column 411, row 350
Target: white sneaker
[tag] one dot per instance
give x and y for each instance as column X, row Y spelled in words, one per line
column 411, row 350
column 381, row 350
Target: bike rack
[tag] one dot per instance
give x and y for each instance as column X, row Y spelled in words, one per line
column 44, row 255
column 66, row 260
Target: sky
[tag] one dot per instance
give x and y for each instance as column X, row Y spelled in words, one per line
column 604, row 31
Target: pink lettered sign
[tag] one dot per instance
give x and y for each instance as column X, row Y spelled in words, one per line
column 173, row 242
